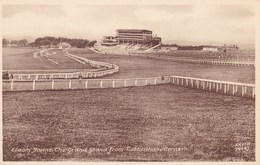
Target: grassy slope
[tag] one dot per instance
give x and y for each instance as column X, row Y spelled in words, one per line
column 132, row 67
column 26, row 61
column 207, row 124
column 11, row 51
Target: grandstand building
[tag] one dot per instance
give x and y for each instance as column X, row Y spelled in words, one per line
column 137, row 36
column 132, row 36
column 127, row 41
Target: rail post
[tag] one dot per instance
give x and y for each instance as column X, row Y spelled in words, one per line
column 145, row 81
column 101, row 84
column 135, row 82
column 113, row 84
column 253, row 92
column 69, row 84
column 52, row 84
column 33, row 85
column 12, row 85
column 155, row 82
column 86, row 84
column 125, row 83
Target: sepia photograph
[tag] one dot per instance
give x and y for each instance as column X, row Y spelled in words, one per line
column 128, row 82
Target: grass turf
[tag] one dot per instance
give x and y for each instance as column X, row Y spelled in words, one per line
column 133, row 67
column 207, row 125
column 26, row 61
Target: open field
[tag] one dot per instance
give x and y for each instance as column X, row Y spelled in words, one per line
column 132, row 67
column 11, row 51
column 27, row 61
column 202, row 126
column 206, row 129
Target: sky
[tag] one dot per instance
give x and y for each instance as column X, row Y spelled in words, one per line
column 199, row 23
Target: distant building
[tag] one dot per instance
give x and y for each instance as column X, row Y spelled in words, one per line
column 228, row 48
column 12, row 45
column 169, row 48
column 137, row 36
column 132, row 36
column 211, row 48
column 109, row 41
column 63, row 45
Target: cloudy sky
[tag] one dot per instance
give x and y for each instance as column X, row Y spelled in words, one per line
column 199, row 23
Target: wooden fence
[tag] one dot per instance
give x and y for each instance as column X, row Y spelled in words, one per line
column 104, row 69
column 224, row 87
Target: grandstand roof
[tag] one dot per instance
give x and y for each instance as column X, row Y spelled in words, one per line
column 133, row 30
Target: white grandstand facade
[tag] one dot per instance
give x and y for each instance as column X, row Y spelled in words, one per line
column 129, row 41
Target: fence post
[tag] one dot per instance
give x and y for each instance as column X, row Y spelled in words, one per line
column 225, row 88
column 253, row 92
column 52, row 84
column 33, row 86
column 135, row 82
column 36, row 77
column 12, row 85
column 125, row 83
column 242, row 90
column 86, row 84
column 69, row 84
column 145, row 81
column 101, row 84
column 216, row 87
column 187, row 82
column 209, row 86
column 203, row 85
column 113, row 83
column 155, row 81
column 198, row 84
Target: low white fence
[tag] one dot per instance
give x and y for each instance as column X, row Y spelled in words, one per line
column 220, row 62
column 224, row 87
column 104, row 69
column 203, row 61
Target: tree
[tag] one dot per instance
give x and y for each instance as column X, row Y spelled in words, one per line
column 15, row 42
column 23, row 42
column 92, row 43
column 5, row 42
